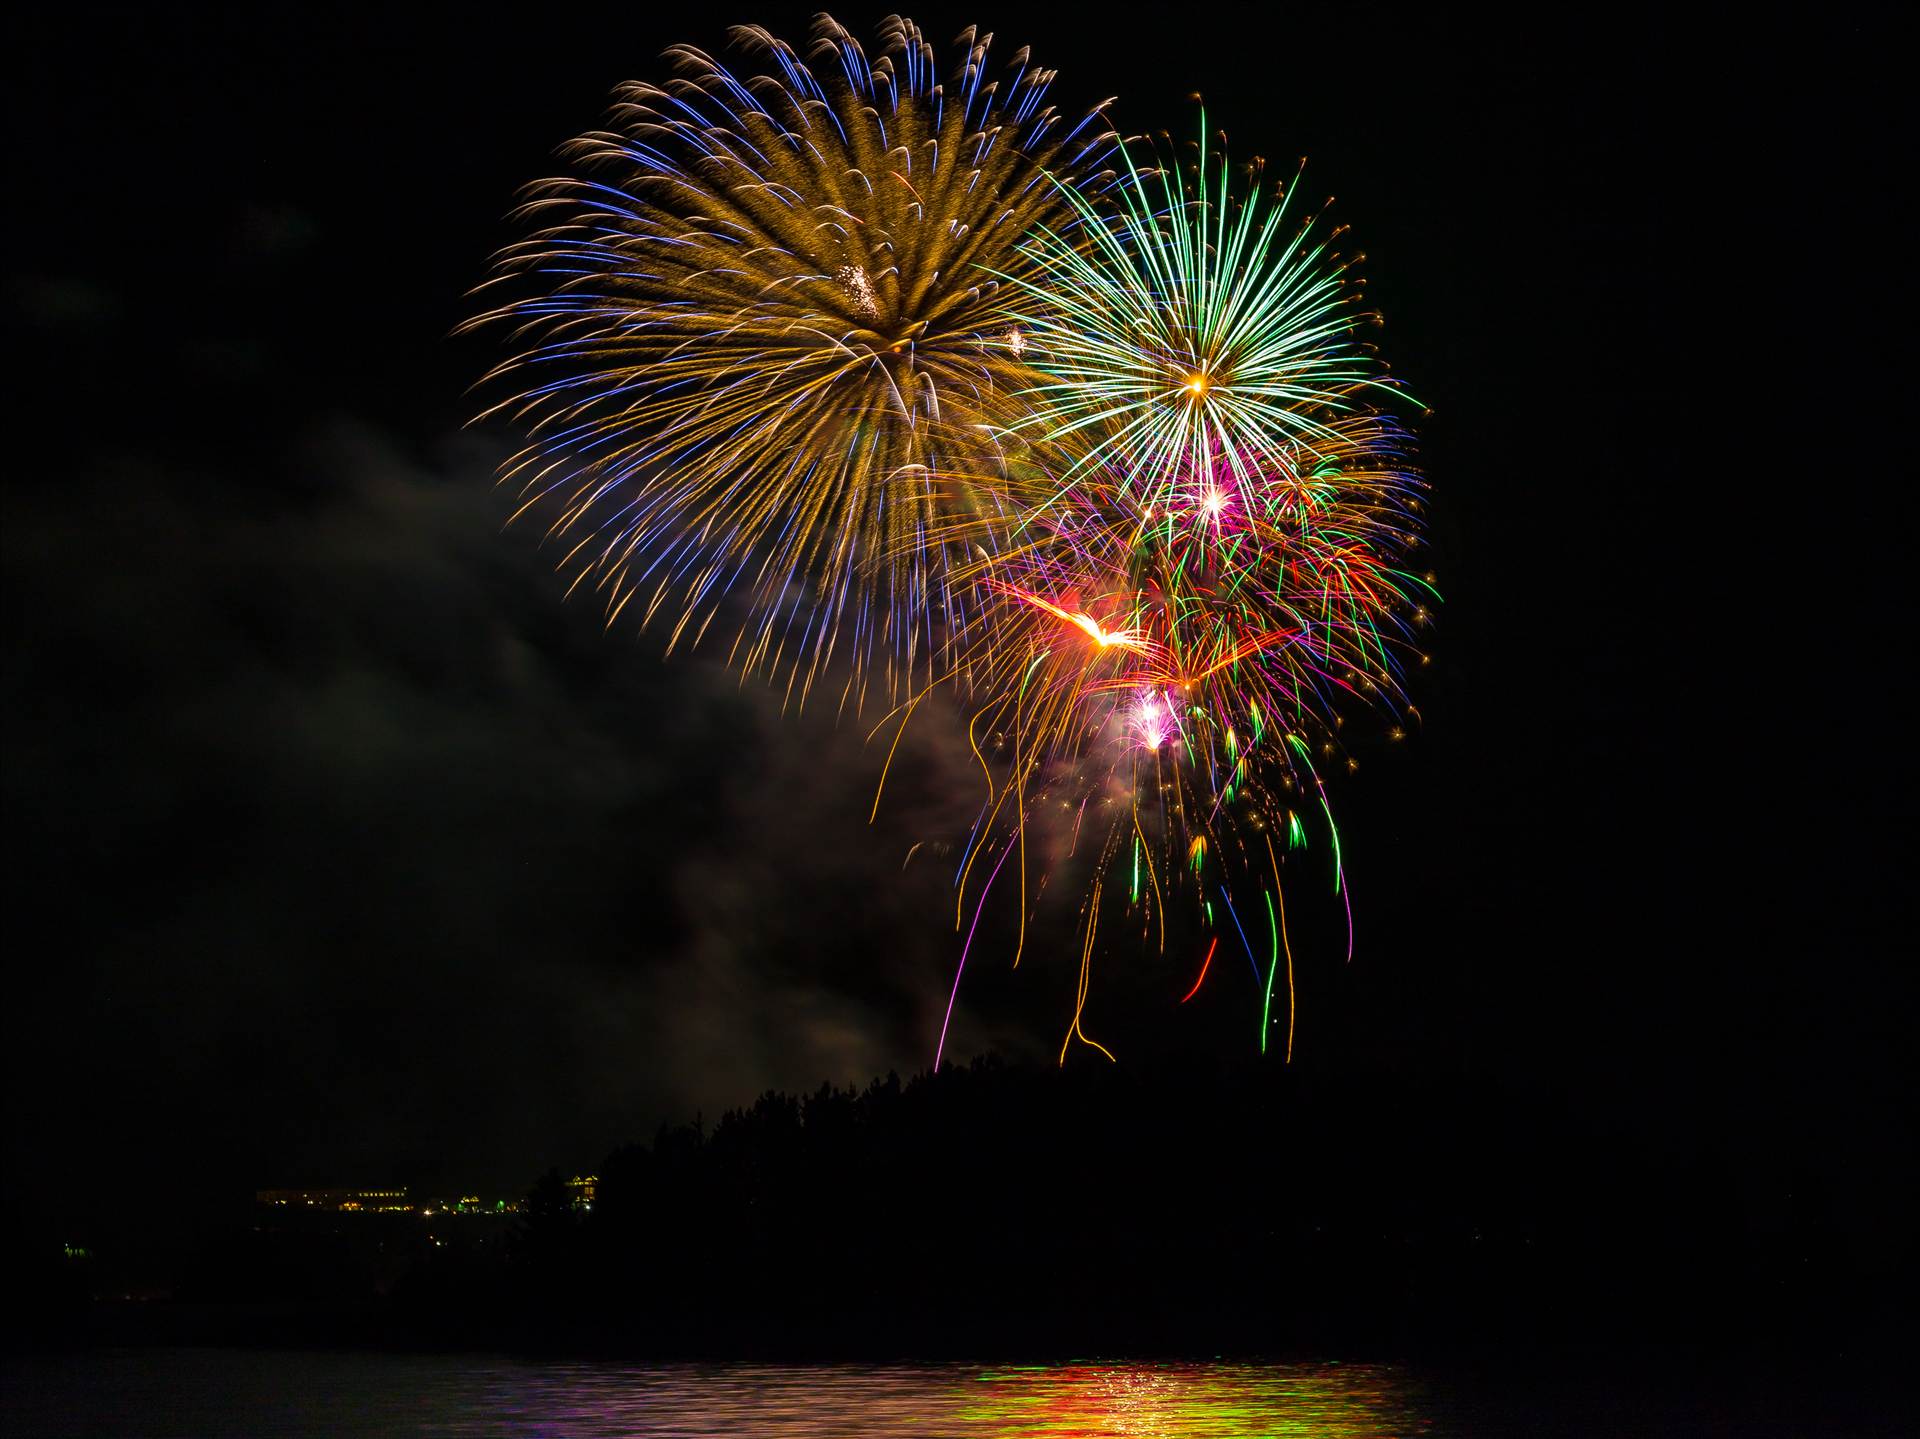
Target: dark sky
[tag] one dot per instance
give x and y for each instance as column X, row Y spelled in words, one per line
column 341, row 849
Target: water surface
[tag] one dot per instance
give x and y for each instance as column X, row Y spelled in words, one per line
column 219, row 1394
column 210, row 1393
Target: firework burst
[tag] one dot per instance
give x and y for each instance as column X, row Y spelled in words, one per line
column 1208, row 570
column 765, row 339
column 947, row 398
column 1195, row 324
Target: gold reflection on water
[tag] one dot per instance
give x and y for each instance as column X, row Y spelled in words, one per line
column 1210, row 1401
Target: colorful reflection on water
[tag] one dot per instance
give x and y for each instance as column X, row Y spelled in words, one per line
column 210, row 1393
column 1199, row 1401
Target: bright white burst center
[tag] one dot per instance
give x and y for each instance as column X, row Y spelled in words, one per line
column 860, row 290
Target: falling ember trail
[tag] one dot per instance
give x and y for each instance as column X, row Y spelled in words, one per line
column 961, row 968
column 1204, row 964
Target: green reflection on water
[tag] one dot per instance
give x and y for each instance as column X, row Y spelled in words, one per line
column 1198, row 1401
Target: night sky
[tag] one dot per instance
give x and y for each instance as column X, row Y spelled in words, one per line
column 342, row 850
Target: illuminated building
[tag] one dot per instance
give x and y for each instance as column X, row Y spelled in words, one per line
column 387, row 1201
column 347, row 1201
